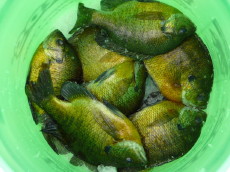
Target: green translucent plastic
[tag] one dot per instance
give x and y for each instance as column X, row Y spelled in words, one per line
column 24, row 24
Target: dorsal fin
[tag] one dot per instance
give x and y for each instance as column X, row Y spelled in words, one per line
column 71, row 90
column 109, row 5
column 105, row 75
column 113, row 109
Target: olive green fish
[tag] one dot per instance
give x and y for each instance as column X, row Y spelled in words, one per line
column 56, row 54
column 148, row 28
column 184, row 74
column 99, row 133
column 95, row 59
column 122, row 86
column 168, row 130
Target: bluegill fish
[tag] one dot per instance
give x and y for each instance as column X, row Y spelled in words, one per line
column 99, row 133
column 147, row 28
column 168, row 130
column 122, row 86
column 56, row 54
column 184, row 74
column 95, row 59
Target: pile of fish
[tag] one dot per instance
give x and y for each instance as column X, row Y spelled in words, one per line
column 92, row 93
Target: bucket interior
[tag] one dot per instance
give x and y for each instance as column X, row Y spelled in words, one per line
column 24, row 25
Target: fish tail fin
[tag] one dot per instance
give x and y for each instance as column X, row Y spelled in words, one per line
column 84, row 17
column 71, row 90
column 41, row 89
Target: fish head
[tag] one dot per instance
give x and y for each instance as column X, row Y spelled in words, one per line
column 196, row 90
column 191, row 117
column 178, row 25
column 55, row 47
column 128, row 154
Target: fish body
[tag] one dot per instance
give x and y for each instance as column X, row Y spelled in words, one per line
column 184, row 75
column 99, row 133
column 143, row 27
column 95, row 59
column 122, row 86
column 168, row 130
column 56, row 54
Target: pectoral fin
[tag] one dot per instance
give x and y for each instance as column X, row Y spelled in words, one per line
column 107, row 124
column 71, row 90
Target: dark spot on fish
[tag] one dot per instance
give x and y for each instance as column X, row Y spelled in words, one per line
column 136, row 88
column 179, row 126
column 59, row 61
column 128, row 159
column 191, row 78
column 105, row 75
column 182, row 31
column 198, row 120
column 163, row 28
column 155, row 15
column 107, row 149
column 60, row 42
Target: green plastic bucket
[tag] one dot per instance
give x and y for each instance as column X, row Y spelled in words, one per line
column 24, row 24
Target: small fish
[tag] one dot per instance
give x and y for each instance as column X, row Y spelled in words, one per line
column 147, row 28
column 122, row 86
column 184, row 74
column 168, row 130
column 95, row 59
column 100, row 134
column 56, row 54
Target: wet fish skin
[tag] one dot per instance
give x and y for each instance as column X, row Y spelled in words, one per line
column 148, row 28
column 100, row 134
column 122, row 86
column 56, row 54
column 184, row 75
column 92, row 55
column 168, row 130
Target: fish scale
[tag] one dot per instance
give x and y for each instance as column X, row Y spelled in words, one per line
column 82, row 110
column 139, row 26
column 164, row 140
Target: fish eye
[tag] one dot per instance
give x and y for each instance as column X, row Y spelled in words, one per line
column 201, row 97
column 59, row 42
column 198, row 120
column 180, row 127
column 182, row 31
column 191, row 78
column 128, row 159
column 107, row 149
